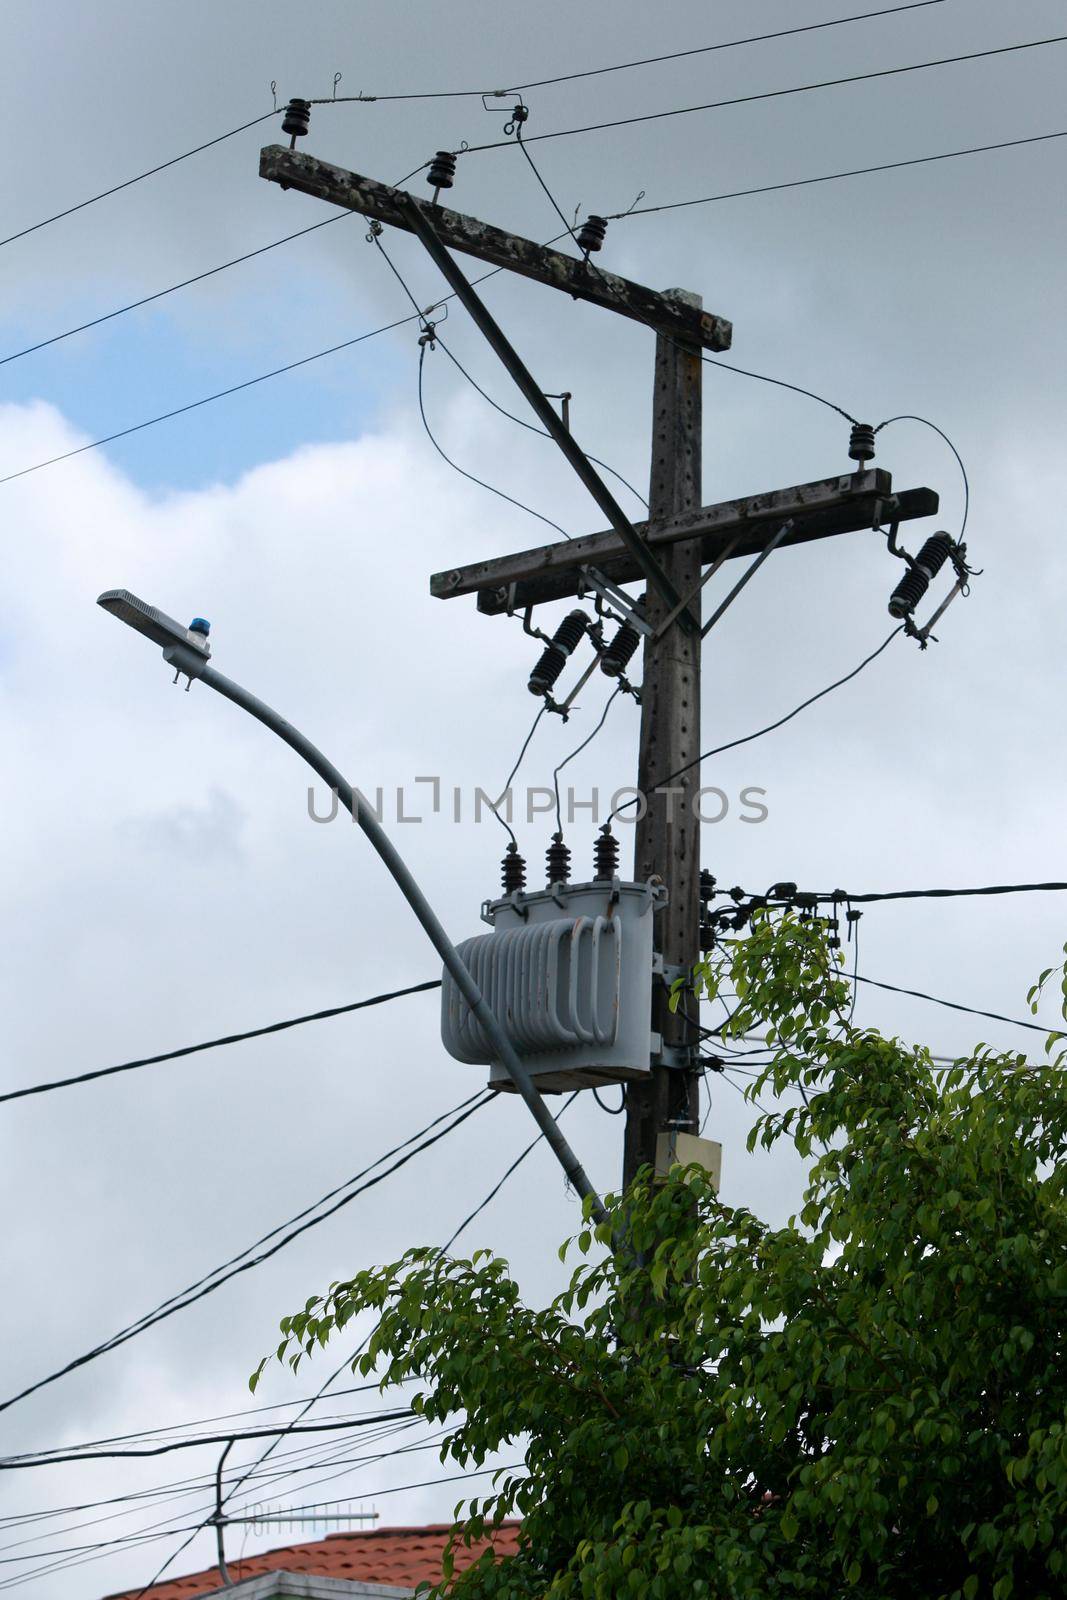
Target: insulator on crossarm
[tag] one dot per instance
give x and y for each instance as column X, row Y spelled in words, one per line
column 554, row 658
column 861, row 442
column 442, row 173
column 558, row 860
column 591, row 234
column 617, row 656
column 512, row 869
column 605, row 854
column 297, row 120
column 915, row 582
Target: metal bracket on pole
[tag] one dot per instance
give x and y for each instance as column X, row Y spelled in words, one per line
column 612, row 595
column 772, row 544
column 534, row 396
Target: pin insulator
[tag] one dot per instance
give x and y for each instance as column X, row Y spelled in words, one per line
column 707, row 884
column 619, row 653
column 605, row 854
column 706, row 938
column 915, row 582
column 558, row 860
column 512, row 870
column 442, row 171
column 553, row 659
column 591, row 234
column 296, row 120
column 861, row 442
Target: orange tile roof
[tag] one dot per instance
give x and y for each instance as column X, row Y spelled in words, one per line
column 401, row 1557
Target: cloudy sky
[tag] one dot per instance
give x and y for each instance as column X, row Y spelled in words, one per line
column 162, row 881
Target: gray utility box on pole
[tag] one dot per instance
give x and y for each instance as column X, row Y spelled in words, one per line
column 568, row 972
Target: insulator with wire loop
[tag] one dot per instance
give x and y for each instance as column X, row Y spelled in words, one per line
column 617, row 656
column 915, row 582
column 861, row 442
column 512, row 869
column 442, row 171
column 296, row 120
column 553, row 659
column 591, row 234
column 558, row 860
column 605, row 854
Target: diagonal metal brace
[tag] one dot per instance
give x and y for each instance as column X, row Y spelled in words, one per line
column 535, row 398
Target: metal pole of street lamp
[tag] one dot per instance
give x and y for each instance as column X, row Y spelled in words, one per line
column 187, row 651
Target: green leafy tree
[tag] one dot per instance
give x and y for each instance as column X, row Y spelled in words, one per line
column 867, row 1402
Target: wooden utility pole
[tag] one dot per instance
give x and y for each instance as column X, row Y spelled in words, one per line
column 667, row 843
column 667, row 552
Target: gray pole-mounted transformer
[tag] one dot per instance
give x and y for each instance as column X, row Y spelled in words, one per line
column 568, row 972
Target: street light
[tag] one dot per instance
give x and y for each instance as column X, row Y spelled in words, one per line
column 187, row 650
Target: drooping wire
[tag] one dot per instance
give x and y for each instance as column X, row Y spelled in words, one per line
column 217, row 1044
column 628, row 66
column 909, row 416
column 495, row 804
column 238, row 1264
column 747, row 738
column 612, row 1111
column 952, row 1005
column 129, row 182
column 530, row 426
column 578, row 750
column 470, row 476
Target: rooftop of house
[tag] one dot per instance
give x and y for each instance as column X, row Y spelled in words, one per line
column 396, row 1558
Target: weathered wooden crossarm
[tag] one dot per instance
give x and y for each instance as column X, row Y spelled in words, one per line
column 828, row 506
column 295, row 169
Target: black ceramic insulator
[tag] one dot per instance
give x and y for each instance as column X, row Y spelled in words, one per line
column 591, row 234
column 512, row 870
column 619, row 653
column 297, row 118
column 605, row 854
column 915, row 582
column 707, row 884
column 558, row 860
column 554, row 657
column 442, row 171
column 861, row 442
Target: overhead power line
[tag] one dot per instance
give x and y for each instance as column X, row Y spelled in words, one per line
column 747, row 738
column 128, row 183
column 629, row 66
column 17, row 1463
column 217, row 1044
column 832, row 177
column 952, row 1005
column 237, row 1264
column 767, row 94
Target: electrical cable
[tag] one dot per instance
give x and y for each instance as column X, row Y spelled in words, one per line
column 952, row 1005
column 428, row 339
column 232, row 1269
column 495, row 1190
column 129, row 182
column 911, row 417
column 530, row 426
column 470, row 475
column 770, row 94
column 578, row 750
column 627, row 66
column 494, row 804
column 747, row 738
column 22, row 1463
column 236, row 388
column 215, row 1044
column 612, row 1111
column 833, row 177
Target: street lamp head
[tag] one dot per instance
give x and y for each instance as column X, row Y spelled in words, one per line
column 186, row 649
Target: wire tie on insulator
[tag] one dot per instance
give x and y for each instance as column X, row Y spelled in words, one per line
column 519, row 115
column 375, row 231
column 428, row 336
